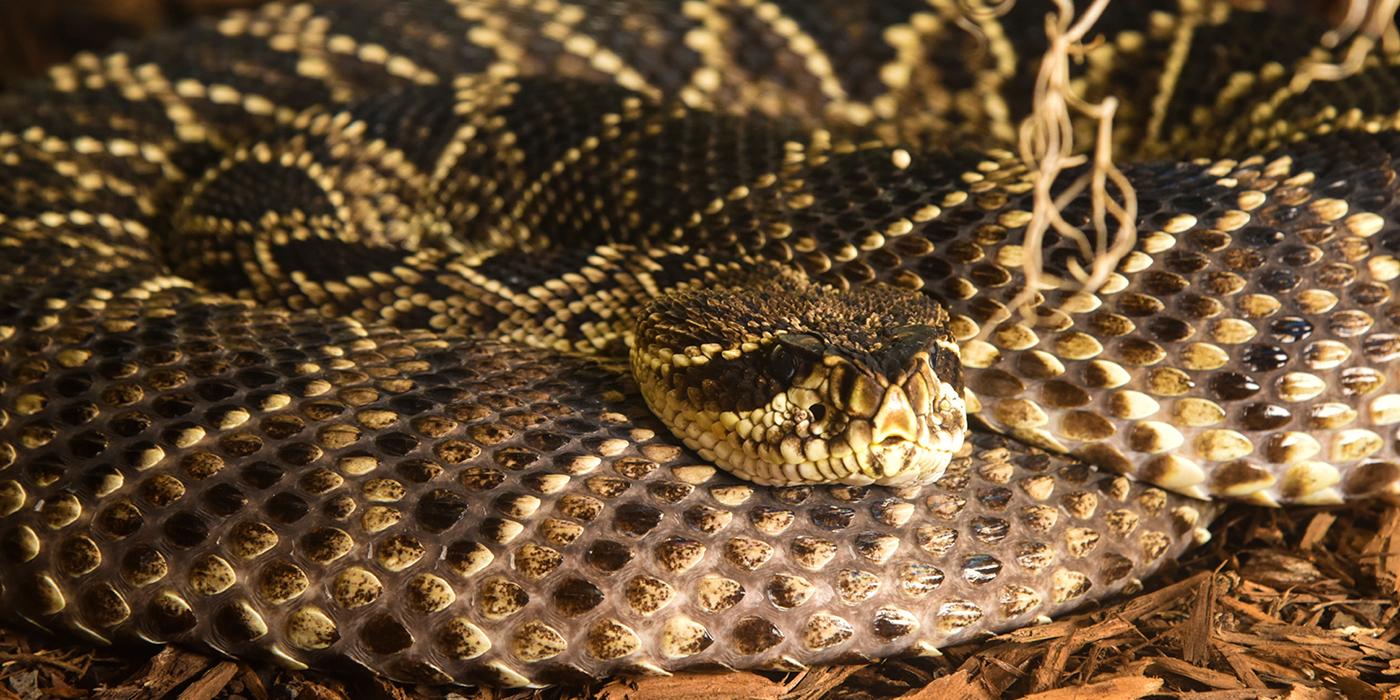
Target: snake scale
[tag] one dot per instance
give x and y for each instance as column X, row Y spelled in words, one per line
column 314, row 327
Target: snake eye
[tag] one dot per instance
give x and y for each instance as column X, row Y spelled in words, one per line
column 783, row 364
column 792, row 353
column 818, row 412
column 914, row 332
column 904, row 343
column 803, row 344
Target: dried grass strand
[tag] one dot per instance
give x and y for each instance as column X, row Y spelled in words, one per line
column 1046, row 146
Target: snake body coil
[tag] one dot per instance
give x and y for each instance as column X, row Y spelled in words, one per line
column 314, row 328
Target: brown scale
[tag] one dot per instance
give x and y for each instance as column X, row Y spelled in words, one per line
column 1268, row 347
column 473, row 611
column 272, row 479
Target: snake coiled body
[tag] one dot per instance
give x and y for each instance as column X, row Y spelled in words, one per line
column 313, row 326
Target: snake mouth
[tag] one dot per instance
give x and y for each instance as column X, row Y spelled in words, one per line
column 908, row 441
column 899, row 462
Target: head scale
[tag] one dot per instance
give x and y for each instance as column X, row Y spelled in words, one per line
column 785, row 381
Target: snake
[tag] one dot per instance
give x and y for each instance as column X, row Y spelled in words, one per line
column 528, row 342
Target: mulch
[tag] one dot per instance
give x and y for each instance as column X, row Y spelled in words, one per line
column 1296, row 604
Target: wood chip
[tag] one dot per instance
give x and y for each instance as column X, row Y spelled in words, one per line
column 693, row 686
column 1112, row 689
column 1204, row 676
column 1317, row 529
column 817, row 681
column 960, row 684
column 1196, row 632
column 169, row 669
column 211, row 683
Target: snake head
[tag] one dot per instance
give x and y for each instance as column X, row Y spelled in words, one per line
column 784, row 382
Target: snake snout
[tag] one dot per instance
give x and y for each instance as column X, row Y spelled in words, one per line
column 895, row 420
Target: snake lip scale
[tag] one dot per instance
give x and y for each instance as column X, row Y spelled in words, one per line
column 332, row 332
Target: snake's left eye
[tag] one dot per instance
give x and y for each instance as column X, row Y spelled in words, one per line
column 912, row 337
column 904, row 343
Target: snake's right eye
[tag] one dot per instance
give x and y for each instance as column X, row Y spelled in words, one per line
column 783, row 364
column 793, row 353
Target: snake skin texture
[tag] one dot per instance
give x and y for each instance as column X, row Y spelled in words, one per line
column 312, row 325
